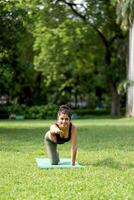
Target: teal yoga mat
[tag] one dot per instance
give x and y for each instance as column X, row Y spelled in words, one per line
column 64, row 163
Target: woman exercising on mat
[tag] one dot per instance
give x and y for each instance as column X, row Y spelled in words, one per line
column 60, row 132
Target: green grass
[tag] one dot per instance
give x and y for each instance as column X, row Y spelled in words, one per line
column 105, row 146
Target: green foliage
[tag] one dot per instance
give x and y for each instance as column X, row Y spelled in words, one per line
column 62, row 44
column 16, row 109
column 6, row 79
column 46, row 111
column 123, row 86
column 66, row 43
column 42, row 112
column 4, row 113
column 55, row 55
column 16, row 47
column 33, row 112
column 88, row 112
column 125, row 14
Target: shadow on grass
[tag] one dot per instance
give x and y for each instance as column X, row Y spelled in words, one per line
column 111, row 163
column 21, row 140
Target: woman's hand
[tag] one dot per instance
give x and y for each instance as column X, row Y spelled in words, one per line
column 60, row 132
column 55, row 130
column 53, row 136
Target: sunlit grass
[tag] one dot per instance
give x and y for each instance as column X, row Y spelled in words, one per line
column 105, row 146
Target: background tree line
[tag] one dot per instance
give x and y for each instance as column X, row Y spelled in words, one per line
column 52, row 52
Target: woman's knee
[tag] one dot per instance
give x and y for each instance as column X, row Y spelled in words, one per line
column 54, row 162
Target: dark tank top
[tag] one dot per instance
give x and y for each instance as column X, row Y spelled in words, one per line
column 63, row 140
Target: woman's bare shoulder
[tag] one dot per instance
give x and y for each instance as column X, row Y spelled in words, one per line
column 74, row 128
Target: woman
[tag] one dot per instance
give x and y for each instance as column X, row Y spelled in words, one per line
column 60, row 132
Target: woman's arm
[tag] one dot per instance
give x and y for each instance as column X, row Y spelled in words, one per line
column 54, row 129
column 73, row 145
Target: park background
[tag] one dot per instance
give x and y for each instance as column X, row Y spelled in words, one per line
column 75, row 52
column 54, row 52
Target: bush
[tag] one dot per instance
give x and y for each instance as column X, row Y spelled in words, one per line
column 45, row 111
column 4, row 113
column 17, row 109
column 35, row 112
column 88, row 111
column 42, row 112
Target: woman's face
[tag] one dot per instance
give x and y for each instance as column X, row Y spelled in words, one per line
column 63, row 120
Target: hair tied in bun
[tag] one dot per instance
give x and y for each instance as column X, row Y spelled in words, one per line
column 65, row 109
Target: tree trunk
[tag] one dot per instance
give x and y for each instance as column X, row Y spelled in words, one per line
column 130, row 91
column 115, row 101
column 115, row 97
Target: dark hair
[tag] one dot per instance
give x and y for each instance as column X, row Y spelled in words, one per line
column 65, row 109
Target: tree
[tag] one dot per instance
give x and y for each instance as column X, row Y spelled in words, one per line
column 16, row 53
column 98, row 15
column 73, row 44
column 62, row 45
column 126, row 19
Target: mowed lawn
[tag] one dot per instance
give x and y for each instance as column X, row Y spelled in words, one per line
column 105, row 147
